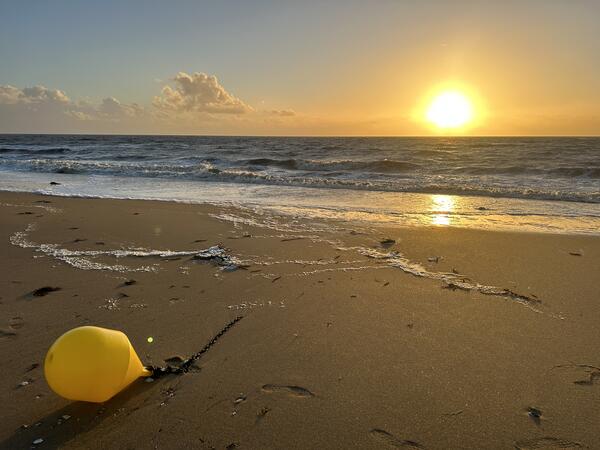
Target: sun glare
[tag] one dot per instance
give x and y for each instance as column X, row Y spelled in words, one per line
column 442, row 207
column 450, row 109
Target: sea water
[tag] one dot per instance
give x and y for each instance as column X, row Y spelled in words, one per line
column 532, row 183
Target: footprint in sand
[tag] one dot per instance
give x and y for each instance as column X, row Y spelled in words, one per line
column 580, row 374
column 262, row 413
column 16, row 322
column 13, row 324
column 7, row 333
column 393, row 441
column 296, row 391
column 546, row 443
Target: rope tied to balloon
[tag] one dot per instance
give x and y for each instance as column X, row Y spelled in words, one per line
column 186, row 364
column 93, row 364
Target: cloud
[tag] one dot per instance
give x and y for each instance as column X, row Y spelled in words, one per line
column 110, row 109
column 189, row 103
column 198, row 93
column 40, row 98
column 40, row 94
column 39, row 108
column 79, row 115
column 9, row 95
column 283, row 112
column 113, row 108
column 31, row 95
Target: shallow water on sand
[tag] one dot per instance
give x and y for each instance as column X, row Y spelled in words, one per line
column 366, row 207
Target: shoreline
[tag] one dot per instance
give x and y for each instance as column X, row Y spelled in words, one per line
column 227, row 205
column 366, row 207
column 294, row 185
column 347, row 340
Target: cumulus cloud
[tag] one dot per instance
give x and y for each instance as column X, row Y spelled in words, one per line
column 40, row 94
column 31, row 95
column 9, row 95
column 40, row 98
column 198, row 93
column 189, row 103
column 39, row 108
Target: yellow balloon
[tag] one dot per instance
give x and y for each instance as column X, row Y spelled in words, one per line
column 92, row 364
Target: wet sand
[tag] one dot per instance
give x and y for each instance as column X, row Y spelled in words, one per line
column 439, row 338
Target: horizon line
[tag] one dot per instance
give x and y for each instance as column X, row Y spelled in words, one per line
column 316, row 135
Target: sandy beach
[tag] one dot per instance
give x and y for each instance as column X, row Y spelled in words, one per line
column 300, row 225
column 350, row 337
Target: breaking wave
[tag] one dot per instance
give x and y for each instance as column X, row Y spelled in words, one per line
column 565, row 169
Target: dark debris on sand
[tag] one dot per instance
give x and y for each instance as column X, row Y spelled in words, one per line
column 218, row 255
column 387, row 242
column 535, row 414
column 45, row 290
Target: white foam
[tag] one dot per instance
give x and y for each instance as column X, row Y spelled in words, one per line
column 451, row 280
column 50, row 209
column 256, row 304
column 372, row 208
column 83, row 259
column 112, row 304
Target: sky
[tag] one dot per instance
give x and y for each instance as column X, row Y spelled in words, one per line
column 298, row 68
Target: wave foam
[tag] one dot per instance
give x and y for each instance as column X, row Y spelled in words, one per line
column 83, row 259
column 451, row 280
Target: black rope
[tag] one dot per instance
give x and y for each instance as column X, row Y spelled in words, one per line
column 187, row 363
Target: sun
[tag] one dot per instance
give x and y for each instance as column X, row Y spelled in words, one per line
column 450, row 109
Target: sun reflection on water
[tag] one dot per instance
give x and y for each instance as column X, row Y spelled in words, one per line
column 441, row 209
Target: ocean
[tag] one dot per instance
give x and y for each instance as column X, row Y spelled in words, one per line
column 521, row 183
